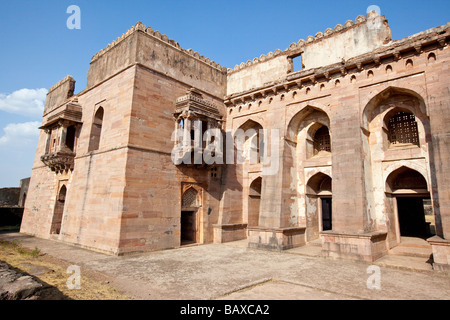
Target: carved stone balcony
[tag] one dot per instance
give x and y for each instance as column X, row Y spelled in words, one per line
column 59, row 161
column 62, row 127
column 198, row 123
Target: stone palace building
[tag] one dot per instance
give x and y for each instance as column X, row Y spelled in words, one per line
column 350, row 149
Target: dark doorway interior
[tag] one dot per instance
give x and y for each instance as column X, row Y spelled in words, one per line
column 326, row 214
column 188, row 227
column 411, row 217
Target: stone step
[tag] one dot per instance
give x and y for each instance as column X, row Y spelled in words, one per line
column 405, row 262
column 316, row 243
column 413, row 251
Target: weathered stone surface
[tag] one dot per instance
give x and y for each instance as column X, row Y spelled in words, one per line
column 16, row 286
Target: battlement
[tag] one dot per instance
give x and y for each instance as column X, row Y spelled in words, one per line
column 139, row 26
column 142, row 47
column 296, row 48
column 337, row 45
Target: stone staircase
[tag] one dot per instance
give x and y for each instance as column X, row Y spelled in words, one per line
column 413, row 247
column 411, row 254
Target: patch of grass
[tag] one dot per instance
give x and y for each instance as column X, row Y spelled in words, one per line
column 94, row 286
column 9, row 228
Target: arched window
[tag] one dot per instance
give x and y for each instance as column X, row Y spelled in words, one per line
column 402, row 129
column 322, row 141
column 96, row 130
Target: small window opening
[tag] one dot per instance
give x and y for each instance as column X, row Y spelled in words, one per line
column 297, row 63
column 403, row 129
column 322, row 141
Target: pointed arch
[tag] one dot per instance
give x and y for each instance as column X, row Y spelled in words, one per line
column 58, row 210
column 407, row 180
column 254, row 202
column 415, row 105
column 295, row 123
column 319, row 184
column 249, row 141
column 96, row 130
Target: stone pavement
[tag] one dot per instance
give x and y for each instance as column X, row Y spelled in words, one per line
column 232, row 271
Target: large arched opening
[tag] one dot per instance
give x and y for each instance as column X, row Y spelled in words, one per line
column 412, row 204
column 318, row 205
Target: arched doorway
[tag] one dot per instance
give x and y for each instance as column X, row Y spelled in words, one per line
column 412, row 203
column 188, row 221
column 254, row 201
column 58, row 211
column 319, row 205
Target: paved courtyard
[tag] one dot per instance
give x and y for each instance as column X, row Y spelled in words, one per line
column 232, row 271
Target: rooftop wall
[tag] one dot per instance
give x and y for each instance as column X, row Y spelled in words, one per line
column 352, row 41
column 141, row 45
column 336, row 45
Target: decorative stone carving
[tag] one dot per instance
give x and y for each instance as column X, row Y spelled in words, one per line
column 348, row 23
column 360, row 19
column 328, row 32
column 338, row 27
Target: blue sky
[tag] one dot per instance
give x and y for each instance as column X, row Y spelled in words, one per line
column 37, row 49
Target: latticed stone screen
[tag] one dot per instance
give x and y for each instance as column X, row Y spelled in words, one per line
column 322, row 141
column 403, row 129
column 190, row 198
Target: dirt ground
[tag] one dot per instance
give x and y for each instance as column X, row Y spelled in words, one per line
column 52, row 271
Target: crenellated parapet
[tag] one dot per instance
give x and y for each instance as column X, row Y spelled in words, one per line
column 332, row 46
column 296, row 47
column 143, row 48
column 162, row 37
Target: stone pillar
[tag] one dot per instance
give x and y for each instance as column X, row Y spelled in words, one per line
column 276, row 230
column 352, row 235
column 440, row 172
column 230, row 226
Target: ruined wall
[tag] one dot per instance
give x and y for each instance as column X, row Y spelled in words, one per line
column 9, row 197
column 345, row 43
column 256, row 75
